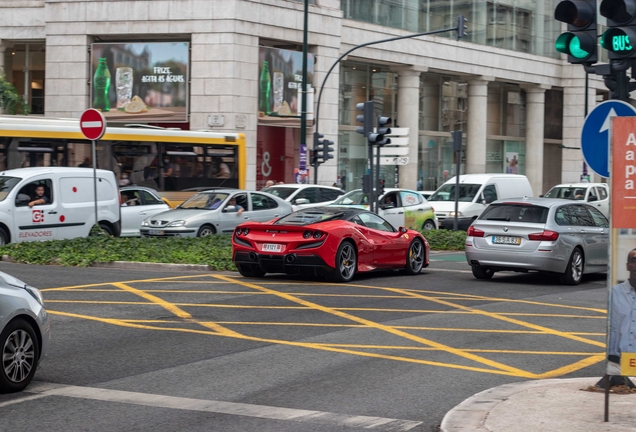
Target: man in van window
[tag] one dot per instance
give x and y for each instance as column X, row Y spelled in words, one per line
column 39, row 198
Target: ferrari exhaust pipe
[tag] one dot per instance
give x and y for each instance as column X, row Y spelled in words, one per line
column 290, row 258
column 253, row 256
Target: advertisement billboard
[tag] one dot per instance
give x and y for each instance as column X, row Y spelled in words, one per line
column 621, row 346
column 140, row 82
column 279, row 82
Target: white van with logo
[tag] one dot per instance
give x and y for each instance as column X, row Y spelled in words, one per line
column 56, row 203
column 476, row 191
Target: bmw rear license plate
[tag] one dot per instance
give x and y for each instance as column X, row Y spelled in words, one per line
column 506, row 240
column 155, row 232
column 270, row 247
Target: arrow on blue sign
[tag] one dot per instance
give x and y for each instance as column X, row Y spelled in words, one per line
column 595, row 133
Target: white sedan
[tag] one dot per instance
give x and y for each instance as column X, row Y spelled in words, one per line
column 137, row 204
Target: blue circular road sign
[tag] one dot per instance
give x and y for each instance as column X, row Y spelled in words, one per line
column 595, row 133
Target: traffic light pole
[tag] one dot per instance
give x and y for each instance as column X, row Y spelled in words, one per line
column 459, row 28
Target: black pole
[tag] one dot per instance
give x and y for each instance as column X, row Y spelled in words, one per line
column 376, row 195
column 303, row 92
column 458, row 156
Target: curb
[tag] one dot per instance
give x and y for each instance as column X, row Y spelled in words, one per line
column 471, row 414
column 135, row 265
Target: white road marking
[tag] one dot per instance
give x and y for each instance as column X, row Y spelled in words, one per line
column 219, row 407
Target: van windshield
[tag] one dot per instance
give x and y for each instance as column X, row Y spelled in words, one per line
column 446, row 192
column 6, row 185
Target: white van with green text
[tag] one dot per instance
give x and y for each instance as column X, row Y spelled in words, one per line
column 56, row 203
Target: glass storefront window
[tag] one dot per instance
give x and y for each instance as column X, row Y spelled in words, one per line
column 506, row 110
column 520, row 25
column 359, row 83
column 504, row 156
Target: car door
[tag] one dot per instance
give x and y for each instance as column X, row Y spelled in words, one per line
column 264, row 208
column 595, row 247
column 601, row 237
column 393, row 213
column 39, row 222
column 228, row 220
column 598, row 196
column 389, row 246
column 310, row 194
column 416, row 210
column 144, row 204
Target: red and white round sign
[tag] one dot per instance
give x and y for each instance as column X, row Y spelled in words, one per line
column 93, row 124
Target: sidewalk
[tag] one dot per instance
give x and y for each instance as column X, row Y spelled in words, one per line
column 558, row 405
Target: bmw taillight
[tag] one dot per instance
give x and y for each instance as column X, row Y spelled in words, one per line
column 546, row 235
column 474, row 232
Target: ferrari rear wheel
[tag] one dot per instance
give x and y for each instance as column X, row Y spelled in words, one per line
column 415, row 257
column 346, row 263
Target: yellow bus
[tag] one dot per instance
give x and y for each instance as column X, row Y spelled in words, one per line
column 175, row 162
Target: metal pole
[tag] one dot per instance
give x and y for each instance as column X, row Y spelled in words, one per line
column 457, row 167
column 303, row 93
column 376, row 196
column 95, row 179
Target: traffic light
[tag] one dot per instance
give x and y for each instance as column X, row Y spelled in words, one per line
column 313, row 157
column 366, row 118
column 377, row 137
column 327, row 149
column 461, row 26
column 366, row 184
column 579, row 42
column 620, row 37
column 381, row 184
column 317, row 152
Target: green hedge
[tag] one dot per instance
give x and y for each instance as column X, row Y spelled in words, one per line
column 215, row 251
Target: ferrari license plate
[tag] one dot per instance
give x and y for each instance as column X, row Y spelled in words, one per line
column 271, row 247
column 506, row 240
column 155, row 232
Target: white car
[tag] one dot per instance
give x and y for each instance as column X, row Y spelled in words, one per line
column 305, row 195
column 595, row 194
column 137, row 204
column 401, row 207
column 25, row 333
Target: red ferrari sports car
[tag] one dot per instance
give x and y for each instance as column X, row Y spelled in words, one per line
column 333, row 241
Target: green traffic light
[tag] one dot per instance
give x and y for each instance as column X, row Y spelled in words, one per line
column 618, row 41
column 570, row 44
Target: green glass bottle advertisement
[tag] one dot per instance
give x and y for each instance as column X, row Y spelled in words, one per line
column 279, row 84
column 140, row 82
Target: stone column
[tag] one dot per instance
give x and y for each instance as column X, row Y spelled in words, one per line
column 476, row 133
column 409, row 116
column 3, row 47
column 535, row 125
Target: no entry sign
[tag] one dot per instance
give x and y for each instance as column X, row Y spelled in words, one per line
column 92, row 124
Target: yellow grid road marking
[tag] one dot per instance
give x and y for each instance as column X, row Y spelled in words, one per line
column 218, row 327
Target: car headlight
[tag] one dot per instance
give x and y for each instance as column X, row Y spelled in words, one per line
column 35, row 293
column 452, row 214
column 177, row 223
column 145, row 222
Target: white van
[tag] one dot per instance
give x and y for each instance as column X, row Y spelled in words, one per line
column 476, row 191
column 65, row 207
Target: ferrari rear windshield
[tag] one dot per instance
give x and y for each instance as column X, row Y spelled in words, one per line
column 310, row 216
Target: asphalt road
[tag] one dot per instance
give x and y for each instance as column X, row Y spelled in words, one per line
column 193, row 351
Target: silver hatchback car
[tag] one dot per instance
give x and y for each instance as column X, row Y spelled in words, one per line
column 539, row 234
column 24, row 333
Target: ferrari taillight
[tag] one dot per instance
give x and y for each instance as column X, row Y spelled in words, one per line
column 314, row 234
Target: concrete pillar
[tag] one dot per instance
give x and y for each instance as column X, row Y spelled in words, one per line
column 535, row 126
column 476, row 133
column 3, row 48
column 408, row 116
column 573, row 118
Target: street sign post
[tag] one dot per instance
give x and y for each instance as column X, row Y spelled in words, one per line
column 93, row 126
column 595, row 133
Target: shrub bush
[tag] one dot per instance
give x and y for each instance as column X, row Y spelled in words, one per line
column 446, row 239
column 215, row 251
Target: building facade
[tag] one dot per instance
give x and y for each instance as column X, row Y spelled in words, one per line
column 519, row 104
